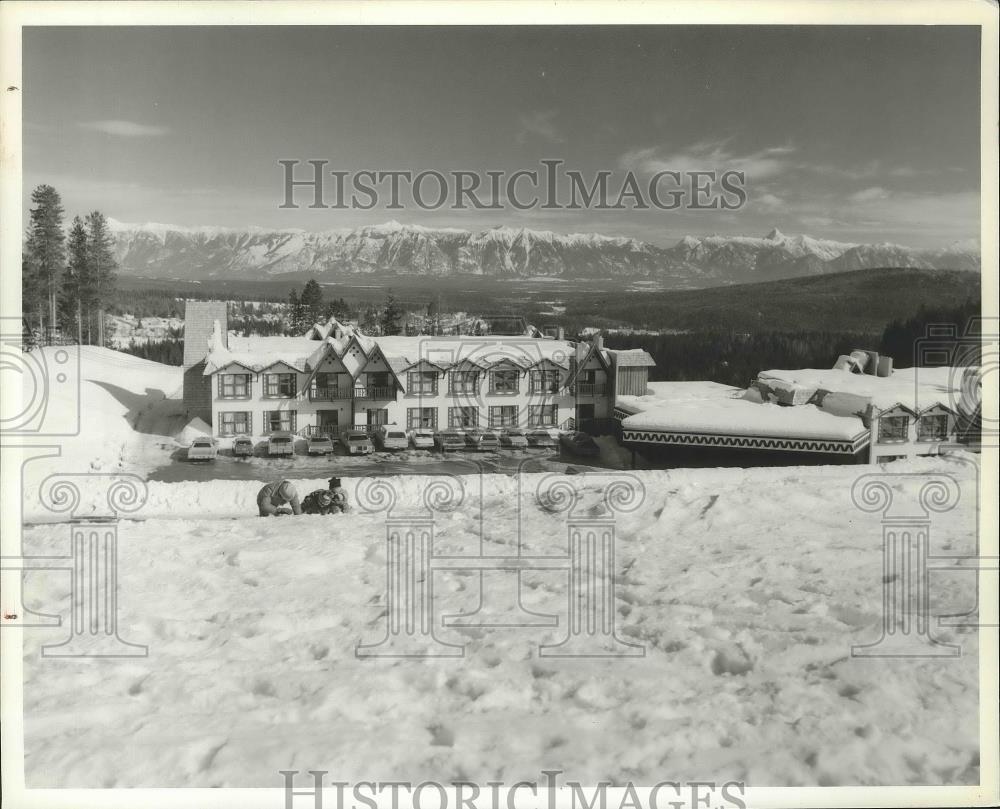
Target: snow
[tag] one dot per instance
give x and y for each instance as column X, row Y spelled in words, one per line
column 916, row 388
column 747, row 588
column 661, row 394
column 746, row 417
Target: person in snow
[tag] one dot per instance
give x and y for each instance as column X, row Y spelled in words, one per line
column 276, row 499
column 332, row 500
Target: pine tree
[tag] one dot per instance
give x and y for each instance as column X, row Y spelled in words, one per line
column 101, row 268
column 370, row 322
column 45, row 255
column 312, row 301
column 76, row 279
column 297, row 313
column 392, row 316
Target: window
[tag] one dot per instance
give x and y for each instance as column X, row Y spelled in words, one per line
column 463, row 418
column 377, row 416
column 235, row 423
column 893, row 428
column 542, row 416
column 503, row 416
column 889, row 458
column 504, row 382
column 279, row 421
column 422, row 382
column 279, row 386
column 425, row 417
column 544, row 381
column 932, row 428
column 463, row 382
column 327, row 386
column 234, row 386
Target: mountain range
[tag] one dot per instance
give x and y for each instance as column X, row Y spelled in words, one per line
column 184, row 253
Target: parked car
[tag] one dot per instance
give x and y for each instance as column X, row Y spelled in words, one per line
column 281, row 444
column 357, row 442
column 514, row 438
column 422, row 438
column 541, row 438
column 489, row 441
column 203, row 448
column 320, row 445
column 579, row 443
column 243, row 447
column 391, row 437
column 449, row 440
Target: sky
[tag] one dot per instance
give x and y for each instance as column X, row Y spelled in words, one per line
column 860, row 134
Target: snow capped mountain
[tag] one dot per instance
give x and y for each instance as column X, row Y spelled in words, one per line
column 392, row 248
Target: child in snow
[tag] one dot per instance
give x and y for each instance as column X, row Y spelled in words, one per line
column 276, row 499
column 332, row 500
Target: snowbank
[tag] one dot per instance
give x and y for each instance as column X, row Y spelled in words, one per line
column 747, row 588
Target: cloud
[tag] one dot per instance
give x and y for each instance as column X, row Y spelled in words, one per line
column 869, row 194
column 711, row 155
column 125, row 129
column 539, row 124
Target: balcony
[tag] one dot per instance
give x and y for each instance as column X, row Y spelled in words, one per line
column 317, row 394
column 590, row 388
column 374, row 392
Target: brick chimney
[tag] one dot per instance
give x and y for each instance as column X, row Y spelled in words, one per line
column 200, row 318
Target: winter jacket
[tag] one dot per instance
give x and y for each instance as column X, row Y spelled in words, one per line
column 269, row 500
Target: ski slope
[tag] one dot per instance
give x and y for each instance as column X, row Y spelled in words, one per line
column 747, row 589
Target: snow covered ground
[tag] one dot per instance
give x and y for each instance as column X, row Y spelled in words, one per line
column 747, row 588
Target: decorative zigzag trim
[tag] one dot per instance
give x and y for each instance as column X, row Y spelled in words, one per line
column 846, row 447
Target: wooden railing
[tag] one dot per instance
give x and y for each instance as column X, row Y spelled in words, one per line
column 590, row 388
column 329, row 394
column 374, row 392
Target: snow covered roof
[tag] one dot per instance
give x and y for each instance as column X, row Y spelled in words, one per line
column 305, row 353
column 745, row 417
column 661, row 394
column 258, row 353
column 631, row 358
column 914, row 388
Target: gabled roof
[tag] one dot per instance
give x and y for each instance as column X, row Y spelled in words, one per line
column 511, row 362
column 225, row 368
column 581, row 364
column 301, row 367
column 898, row 406
column 547, row 362
column 632, row 358
column 425, row 363
column 938, row 406
column 377, row 354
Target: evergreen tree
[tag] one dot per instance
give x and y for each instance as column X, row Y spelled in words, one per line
column 44, row 256
column 370, row 322
column 312, row 301
column 339, row 309
column 101, row 269
column 76, row 280
column 296, row 313
column 392, row 316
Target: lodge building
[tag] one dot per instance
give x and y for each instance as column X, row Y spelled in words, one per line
column 337, row 378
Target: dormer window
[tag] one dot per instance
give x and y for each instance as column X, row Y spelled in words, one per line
column 504, row 382
column 893, row 429
column 932, row 427
column 234, row 386
column 422, row 382
column 279, row 386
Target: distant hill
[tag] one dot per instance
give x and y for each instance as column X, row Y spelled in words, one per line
column 863, row 301
column 172, row 252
